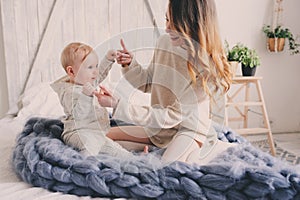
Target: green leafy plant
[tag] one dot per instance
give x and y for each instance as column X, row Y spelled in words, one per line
column 249, row 57
column 241, row 53
column 233, row 54
column 280, row 32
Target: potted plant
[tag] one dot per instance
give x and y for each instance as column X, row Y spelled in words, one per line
column 233, row 56
column 276, row 39
column 249, row 60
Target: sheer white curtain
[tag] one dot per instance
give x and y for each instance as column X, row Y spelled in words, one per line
column 35, row 32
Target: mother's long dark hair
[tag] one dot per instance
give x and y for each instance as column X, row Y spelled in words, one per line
column 197, row 21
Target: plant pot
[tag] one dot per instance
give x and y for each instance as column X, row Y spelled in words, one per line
column 280, row 44
column 233, row 66
column 248, row 71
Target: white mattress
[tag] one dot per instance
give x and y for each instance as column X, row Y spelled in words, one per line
column 11, row 187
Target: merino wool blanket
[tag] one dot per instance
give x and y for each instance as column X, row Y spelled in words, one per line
column 242, row 172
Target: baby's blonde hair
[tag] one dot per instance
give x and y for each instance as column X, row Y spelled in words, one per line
column 74, row 52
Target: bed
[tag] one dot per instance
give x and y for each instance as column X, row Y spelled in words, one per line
column 11, row 186
column 242, row 172
column 37, row 101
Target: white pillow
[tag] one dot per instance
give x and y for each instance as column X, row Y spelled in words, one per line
column 40, row 101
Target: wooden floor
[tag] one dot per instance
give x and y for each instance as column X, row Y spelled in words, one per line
column 287, row 141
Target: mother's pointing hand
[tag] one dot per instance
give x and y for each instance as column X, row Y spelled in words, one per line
column 124, row 57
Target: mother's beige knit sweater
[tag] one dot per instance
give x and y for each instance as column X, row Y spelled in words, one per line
column 176, row 103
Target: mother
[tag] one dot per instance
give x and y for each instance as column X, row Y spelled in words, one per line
column 188, row 69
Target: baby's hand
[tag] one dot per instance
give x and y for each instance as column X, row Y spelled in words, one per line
column 88, row 89
column 105, row 98
column 111, row 55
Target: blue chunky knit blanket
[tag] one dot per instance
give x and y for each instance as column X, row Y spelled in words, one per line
column 242, row 172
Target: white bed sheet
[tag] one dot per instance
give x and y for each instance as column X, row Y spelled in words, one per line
column 11, row 187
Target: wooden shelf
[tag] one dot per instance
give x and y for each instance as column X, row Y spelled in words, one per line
column 242, row 79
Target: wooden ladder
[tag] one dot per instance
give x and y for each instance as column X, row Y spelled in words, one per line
column 245, row 82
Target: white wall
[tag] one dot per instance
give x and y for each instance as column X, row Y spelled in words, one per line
column 242, row 21
column 3, row 84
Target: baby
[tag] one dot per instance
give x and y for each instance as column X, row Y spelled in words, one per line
column 86, row 123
